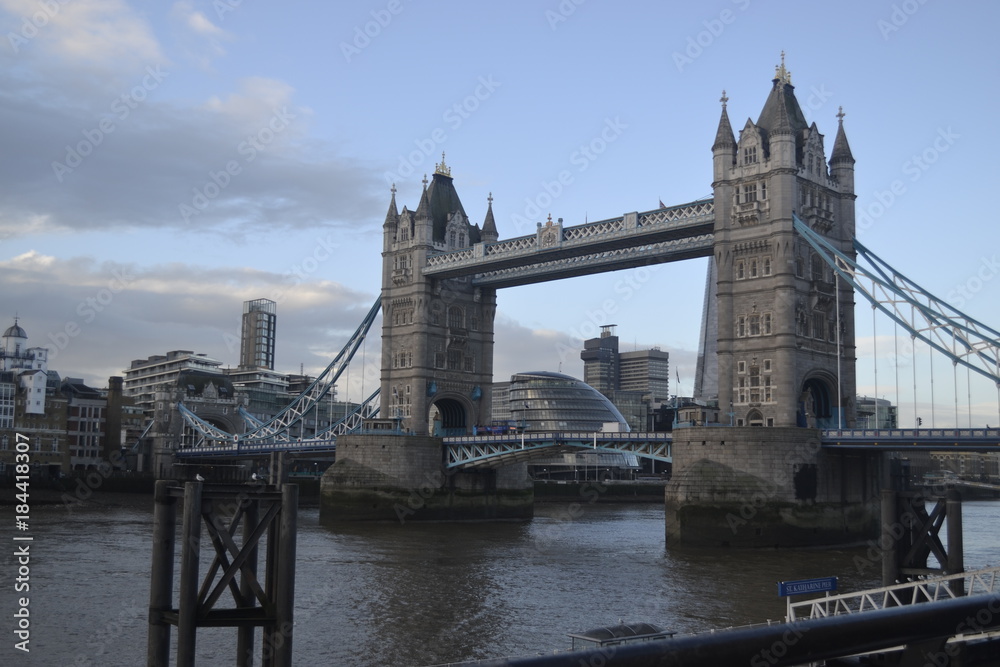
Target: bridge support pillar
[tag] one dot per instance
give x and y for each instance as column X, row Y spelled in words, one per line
column 391, row 477
column 767, row 487
column 911, row 533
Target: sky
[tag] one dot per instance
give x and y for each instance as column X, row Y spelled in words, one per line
column 164, row 162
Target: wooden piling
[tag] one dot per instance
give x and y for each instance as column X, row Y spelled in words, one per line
column 245, row 634
column 162, row 575
column 956, row 555
column 285, row 594
column 890, row 555
column 187, row 611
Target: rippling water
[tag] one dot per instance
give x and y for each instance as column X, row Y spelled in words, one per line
column 423, row 594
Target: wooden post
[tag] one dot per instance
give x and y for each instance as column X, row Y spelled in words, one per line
column 956, row 557
column 890, row 556
column 245, row 634
column 162, row 576
column 187, row 611
column 285, row 594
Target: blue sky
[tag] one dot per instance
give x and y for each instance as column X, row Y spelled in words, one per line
column 165, row 162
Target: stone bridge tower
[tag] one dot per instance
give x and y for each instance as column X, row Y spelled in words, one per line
column 785, row 348
column 437, row 335
column 781, row 313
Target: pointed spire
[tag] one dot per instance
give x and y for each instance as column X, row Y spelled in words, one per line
column 841, row 149
column 780, row 73
column 442, row 169
column 724, row 137
column 489, row 233
column 424, row 207
column 392, row 215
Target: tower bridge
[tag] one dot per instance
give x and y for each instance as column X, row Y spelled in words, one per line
column 779, row 229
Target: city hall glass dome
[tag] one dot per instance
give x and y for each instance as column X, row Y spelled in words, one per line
column 547, row 401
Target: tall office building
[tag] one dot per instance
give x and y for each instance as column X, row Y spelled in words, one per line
column 257, row 344
column 607, row 370
column 600, row 360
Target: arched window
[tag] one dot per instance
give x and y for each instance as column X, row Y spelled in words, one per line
column 455, row 319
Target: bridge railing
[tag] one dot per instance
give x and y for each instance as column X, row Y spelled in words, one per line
column 911, row 433
column 629, row 224
column 985, row 581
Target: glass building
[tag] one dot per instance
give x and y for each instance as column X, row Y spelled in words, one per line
column 547, row 401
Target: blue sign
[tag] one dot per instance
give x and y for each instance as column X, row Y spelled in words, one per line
column 802, row 586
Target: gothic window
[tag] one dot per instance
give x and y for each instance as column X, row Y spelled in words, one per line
column 767, row 365
column 741, row 367
column 454, row 360
column 461, row 239
column 740, row 270
column 753, row 268
column 451, row 238
column 749, row 155
column 439, row 360
column 817, row 267
column 763, row 190
column 750, row 193
column 455, row 318
column 767, row 388
column 470, row 364
column 767, row 324
column 818, row 325
column 767, row 266
column 474, row 322
column 755, row 325
column 741, row 326
column 800, row 267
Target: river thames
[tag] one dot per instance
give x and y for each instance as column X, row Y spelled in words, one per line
column 389, row 594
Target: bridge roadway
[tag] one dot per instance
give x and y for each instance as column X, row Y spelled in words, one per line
column 553, row 252
column 485, row 451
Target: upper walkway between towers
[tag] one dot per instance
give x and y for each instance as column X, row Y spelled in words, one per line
column 553, row 251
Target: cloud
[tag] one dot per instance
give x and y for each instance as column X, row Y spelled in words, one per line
column 95, row 317
column 200, row 39
column 123, row 160
column 104, row 33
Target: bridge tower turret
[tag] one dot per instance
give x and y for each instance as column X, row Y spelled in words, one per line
column 786, row 346
column 437, row 335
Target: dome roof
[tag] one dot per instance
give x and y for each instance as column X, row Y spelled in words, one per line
column 15, row 331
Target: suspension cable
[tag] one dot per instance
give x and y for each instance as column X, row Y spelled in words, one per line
column 875, row 364
column 895, row 356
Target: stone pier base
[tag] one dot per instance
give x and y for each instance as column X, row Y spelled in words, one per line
column 402, row 478
column 768, row 487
